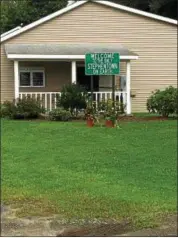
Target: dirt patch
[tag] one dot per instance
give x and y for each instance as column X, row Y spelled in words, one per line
column 103, row 230
column 11, row 225
column 120, row 119
column 169, row 228
column 141, row 119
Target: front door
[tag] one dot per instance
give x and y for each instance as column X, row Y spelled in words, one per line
column 85, row 80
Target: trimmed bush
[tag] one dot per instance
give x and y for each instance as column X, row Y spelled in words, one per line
column 30, row 107
column 26, row 108
column 60, row 114
column 73, row 98
column 8, row 110
column 163, row 102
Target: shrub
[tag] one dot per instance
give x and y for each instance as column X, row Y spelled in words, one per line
column 59, row 114
column 163, row 102
column 26, row 108
column 73, row 98
column 108, row 106
column 8, row 110
column 29, row 107
column 104, row 110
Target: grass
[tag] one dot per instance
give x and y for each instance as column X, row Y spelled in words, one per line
column 87, row 173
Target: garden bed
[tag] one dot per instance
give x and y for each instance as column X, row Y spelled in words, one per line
column 144, row 118
column 120, row 119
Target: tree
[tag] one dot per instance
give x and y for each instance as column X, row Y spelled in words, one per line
column 15, row 12
column 143, row 5
column 43, row 8
column 167, row 8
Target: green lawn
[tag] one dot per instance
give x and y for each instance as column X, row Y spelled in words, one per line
column 80, row 172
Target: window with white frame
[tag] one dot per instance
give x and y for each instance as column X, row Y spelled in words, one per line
column 32, row 77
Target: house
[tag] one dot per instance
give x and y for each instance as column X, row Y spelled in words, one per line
column 38, row 59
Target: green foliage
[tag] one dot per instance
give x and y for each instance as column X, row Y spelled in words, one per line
column 163, row 102
column 29, row 107
column 59, row 114
column 15, row 12
column 104, row 110
column 73, row 98
column 91, row 113
column 167, row 8
column 26, row 108
column 8, row 110
column 110, row 112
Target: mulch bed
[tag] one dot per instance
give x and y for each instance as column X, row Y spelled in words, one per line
column 137, row 119
column 120, row 119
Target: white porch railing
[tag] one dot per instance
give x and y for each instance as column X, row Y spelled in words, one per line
column 49, row 99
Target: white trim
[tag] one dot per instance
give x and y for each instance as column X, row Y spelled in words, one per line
column 32, row 70
column 16, row 79
column 74, row 72
column 70, row 2
column 128, row 80
column 79, row 3
column 62, row 57
column 12, row 30
column 136, row 11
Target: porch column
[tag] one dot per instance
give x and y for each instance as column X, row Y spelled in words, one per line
column 74, row 72
column 16, row 79
column 128, row 104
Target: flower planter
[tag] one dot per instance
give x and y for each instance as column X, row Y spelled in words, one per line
column 109, row 123
column 90, row 123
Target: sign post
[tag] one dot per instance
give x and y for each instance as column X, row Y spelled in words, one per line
column 103, row 64
column 92, row 88
column 113, row 91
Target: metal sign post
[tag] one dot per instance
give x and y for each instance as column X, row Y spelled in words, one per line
column 91, row 88
column 113, row 91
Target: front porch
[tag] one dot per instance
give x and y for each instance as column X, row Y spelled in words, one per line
column 40, row 71
column 49, row 99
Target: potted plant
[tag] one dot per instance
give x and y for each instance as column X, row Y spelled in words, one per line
column 110, row 118
column 90, row 120
column 89, row 116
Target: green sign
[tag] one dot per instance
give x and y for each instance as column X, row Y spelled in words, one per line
column 102, row 64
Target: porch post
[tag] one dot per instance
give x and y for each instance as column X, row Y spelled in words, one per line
column 16, row 79
column 74, row 72
column 128, row 104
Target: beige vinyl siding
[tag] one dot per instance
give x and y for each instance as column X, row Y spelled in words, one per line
column 154, row 41
column 7, row 77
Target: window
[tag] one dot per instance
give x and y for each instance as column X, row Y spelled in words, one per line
column 30, row 77
column 25, row 79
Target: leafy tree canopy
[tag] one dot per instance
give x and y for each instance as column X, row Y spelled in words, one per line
column 15, row 12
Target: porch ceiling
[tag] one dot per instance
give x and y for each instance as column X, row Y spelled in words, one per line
column 64, row 51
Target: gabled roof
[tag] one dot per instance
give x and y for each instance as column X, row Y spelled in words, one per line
column 5, row 36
